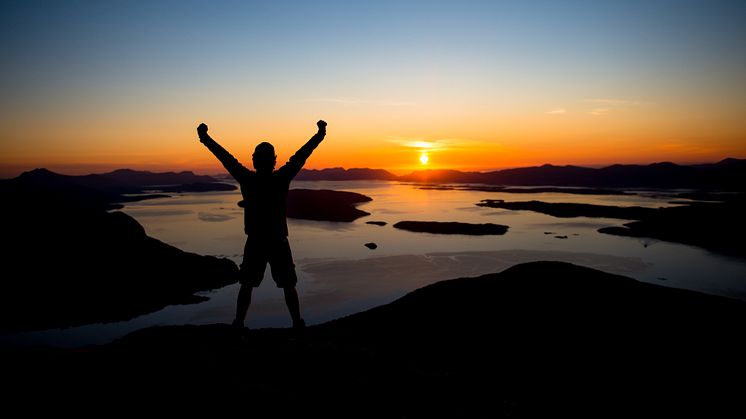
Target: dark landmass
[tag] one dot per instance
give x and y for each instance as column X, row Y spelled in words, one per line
column 376, row 223
column 574, row 191
column 571, row 210
column 719, row 227
column 325, row 205
column 125, row 182
column 68, row 262
column 339, row 173
column 436, row 227
column 724, row 175
column 129, row 177
column 712, row 196
column 197, row 187
column 542, row 339
column 371, row 246
column 137, row 198
column 715, row 226
column 447, row 176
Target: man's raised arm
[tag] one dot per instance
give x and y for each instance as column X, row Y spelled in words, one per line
column 297, row 161
column 233, row 166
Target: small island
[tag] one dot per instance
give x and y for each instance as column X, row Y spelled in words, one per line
column 325, row 205
column 436, row 227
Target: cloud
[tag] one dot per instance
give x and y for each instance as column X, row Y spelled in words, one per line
column 437, row 145
column 349, row 101
column 428, row 144
column 556, row 111
column 599, row 111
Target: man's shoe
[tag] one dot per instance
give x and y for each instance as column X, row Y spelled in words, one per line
column 299, row 324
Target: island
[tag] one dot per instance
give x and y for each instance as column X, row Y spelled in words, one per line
column 571, row 210
column 437, row 227
column 325, row 205
column 715, row 226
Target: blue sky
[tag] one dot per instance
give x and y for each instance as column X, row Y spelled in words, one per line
column 103, row 60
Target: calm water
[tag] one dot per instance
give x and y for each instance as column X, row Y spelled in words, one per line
column 339, row 276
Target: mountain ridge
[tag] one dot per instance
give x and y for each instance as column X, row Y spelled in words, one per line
column 722, row 175
column 725, row 174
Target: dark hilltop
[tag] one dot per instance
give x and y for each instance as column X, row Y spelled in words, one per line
column 542, row 338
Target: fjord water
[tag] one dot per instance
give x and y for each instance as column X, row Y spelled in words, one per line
column 338, row 275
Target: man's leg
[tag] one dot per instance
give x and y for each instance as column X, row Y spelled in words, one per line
column 243, row 303
column 283, row 272
column 291, row 299
column 251, row 273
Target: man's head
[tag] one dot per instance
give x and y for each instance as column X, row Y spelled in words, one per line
column 264, row 157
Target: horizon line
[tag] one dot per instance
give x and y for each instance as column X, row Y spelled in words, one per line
column 108, row 168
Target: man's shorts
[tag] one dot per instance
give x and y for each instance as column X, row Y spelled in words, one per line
column 258, row 253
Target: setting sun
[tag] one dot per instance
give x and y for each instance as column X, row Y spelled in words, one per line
column 424, row 158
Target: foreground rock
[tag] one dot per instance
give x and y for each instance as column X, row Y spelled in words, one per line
column 68, row 262
column 542, row 339
column 325, row 205
column 437, row 227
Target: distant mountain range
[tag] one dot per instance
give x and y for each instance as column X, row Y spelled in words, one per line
column 338, row 173
column 111, row 186
column 728, row 174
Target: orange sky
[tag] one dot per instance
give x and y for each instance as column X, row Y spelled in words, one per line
column 492, row 85
column 590, row 132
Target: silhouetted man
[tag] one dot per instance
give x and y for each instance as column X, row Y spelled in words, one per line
column 265, row 202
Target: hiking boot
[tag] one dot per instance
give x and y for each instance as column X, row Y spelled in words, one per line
column 299, row 324
column 240, row 329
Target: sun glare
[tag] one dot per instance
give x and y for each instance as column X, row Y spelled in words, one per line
column 424, row 158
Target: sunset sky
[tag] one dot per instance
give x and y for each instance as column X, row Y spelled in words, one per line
column 474, row 85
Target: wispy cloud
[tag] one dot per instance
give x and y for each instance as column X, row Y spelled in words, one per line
column 556, row 111
column 349, row 101
column 599, row 111
column 436, row 144
column 419, row 142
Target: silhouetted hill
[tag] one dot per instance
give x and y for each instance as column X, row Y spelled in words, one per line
column 443, row 176
column 725, row 175
column 542, row 339
column 67, row 261
column 338, row 173
column 125, row 181
column 145, row 178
